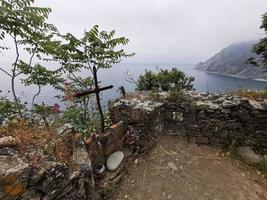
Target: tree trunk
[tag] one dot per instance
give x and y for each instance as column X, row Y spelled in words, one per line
column 34, row 97
column 15, row 96
column 14, row 75
column 98, row 100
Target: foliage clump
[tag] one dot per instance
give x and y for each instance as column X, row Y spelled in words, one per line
column 165, row 80
column 261, row 47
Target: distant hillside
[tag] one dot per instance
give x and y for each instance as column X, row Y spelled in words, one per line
column 232, row 61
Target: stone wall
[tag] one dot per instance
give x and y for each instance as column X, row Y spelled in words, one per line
column 217, row 119
column 220, row 120
column 144, row 118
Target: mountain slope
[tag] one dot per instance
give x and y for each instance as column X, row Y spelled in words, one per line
column 232, row 61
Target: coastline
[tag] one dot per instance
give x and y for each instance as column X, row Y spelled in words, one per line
column 234, row 76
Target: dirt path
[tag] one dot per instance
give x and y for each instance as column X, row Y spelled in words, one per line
column 177, row 170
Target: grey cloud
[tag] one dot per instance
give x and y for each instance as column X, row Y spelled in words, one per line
column 182, row 31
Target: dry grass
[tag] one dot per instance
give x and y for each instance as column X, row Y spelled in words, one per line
column 253, row 95
column 34, row 140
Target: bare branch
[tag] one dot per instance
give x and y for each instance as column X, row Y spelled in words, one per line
column 128, row 77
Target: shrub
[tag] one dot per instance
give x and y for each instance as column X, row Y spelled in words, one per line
column 165, row 80
column 8, row 109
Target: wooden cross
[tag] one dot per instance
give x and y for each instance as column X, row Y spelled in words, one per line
column 81, row 94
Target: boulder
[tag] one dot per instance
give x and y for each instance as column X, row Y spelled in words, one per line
column 249, row 156
column 14, row 174
column 114, row 160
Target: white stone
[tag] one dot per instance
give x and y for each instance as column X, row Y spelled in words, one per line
column 114, row 160
column 172, row 166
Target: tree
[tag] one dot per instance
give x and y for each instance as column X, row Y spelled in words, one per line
column 261, row 47
column 94, row 51
column 165, row 80
column 101, row 50
column 27, row 27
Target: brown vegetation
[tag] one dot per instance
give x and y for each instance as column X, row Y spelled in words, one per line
column 34, row 141
column 253, row 95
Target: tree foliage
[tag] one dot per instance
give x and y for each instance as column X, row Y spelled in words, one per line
column 165, row 80
column 261, row 47
column 27, row 27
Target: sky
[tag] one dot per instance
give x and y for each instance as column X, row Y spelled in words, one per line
column 164, row 31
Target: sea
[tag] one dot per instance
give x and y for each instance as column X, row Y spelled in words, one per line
column 119, row 74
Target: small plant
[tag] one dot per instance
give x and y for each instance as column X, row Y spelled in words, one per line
column 178, row 96
column 108, row 191
column 231, row 147
column 46, row 111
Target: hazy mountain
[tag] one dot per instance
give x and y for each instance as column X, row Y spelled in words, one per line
column 233, row 61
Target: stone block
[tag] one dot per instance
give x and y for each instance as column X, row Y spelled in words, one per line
column 202, row 140
column 118, row 131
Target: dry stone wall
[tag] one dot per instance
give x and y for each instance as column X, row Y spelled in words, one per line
column 214, row 119
column 220, row 120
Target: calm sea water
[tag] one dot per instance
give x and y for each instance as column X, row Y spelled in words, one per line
column 204, row 82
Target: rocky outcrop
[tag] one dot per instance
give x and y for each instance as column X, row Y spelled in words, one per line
column 233, row 61
column 46, row 178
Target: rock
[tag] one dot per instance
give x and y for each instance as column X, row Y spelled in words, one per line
column 53, row 180
column 8, row 141
column 255, row 105
column 81, row 160
column 64, row 128
column 228, row 104
column 114, row 160
column 172, row 166
column 82, row 165
column 264, row 104
column 14, row 174
column 249, row 156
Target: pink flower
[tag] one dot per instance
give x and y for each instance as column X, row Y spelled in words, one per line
column 56, row 108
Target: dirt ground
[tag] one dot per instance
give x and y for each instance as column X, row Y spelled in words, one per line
column 177, row 170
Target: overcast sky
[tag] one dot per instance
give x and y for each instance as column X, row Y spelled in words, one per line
column 167, row 31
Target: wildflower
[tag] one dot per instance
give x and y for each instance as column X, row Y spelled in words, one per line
column 55, row 108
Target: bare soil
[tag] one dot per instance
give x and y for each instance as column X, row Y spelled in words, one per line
column 178, row 170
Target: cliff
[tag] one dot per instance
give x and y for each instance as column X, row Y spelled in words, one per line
column 233, row 61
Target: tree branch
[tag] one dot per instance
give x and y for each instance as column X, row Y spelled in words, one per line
column 5, row 72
